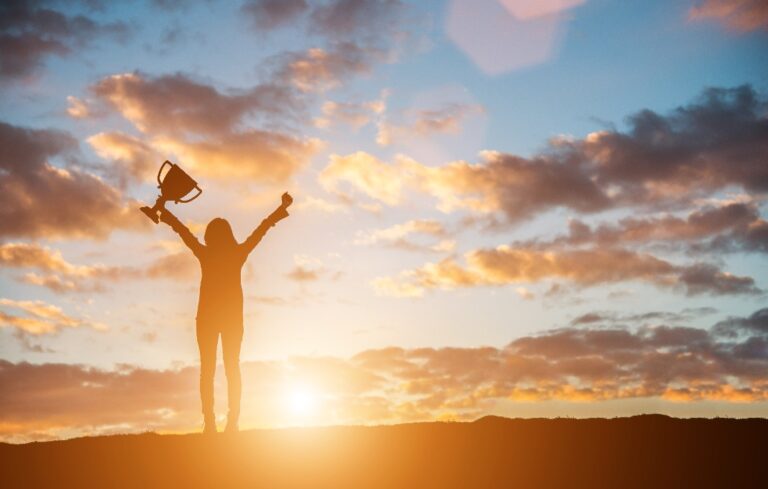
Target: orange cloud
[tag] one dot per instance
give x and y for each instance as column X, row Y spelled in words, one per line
column 40, row 318
column 263, row 155
column 308, row 269
column 739, row 15
column 319, row 70
column 355, row 114
column 134, row 159
column 40, row 199
column 399, row 235
column 364, row 172
column 505, row 265
column 426, row 122
column 180, row 266
column 60, row 275
column 202, row 126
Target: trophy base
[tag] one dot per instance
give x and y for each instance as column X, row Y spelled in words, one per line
column 151, row 213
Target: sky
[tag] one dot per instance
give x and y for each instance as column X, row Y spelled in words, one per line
column 550, row 208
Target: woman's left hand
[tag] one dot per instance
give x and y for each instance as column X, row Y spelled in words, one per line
column 287, row 199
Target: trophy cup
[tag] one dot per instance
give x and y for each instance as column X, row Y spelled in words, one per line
column 173, row 186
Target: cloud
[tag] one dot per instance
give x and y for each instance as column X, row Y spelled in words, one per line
column 505, row 265
column 301, row 273
column 664, row 363
column 756, row 324
column 30, row 31
column 367, row 19
column 249, row 133
column 180, row 266
column 58, row 274
column 355, row 114
column 643, row 319
column 77, row 108
column 349, row 38
column 426, row 122
column 55, row 273
column 178, row 105
column 266, row 15
column 514, row 186
column 660, row 162
column 135, row 160
column 320, row 205
column 712, row 144
column 367, row 22
column 43, row 200
column 730, row 226
column 30, row 255
column 203, row 127
column 399, row 236
column 40, row 318
column 388, row 286
column 321, row 69
column 366, row 173
column 308, row 269
column 739, row 15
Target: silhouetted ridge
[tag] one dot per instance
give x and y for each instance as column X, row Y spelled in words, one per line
column 642, row 451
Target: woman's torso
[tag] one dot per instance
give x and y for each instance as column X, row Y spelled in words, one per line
column 221, row 293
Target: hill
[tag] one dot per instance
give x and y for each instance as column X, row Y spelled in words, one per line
column 642, row 451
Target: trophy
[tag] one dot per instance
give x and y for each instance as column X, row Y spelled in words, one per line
column 173, row 186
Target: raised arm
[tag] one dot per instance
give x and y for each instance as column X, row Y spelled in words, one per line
column 186, row 235
column 258, row 233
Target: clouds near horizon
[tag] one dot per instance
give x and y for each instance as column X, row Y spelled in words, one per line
column 589, row 363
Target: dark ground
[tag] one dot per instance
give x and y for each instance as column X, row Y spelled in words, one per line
column 644, row 451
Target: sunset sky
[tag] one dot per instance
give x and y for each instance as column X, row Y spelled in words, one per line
column 549, row 208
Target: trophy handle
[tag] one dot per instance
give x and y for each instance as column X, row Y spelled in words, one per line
column 160, row 171
column 199, row 191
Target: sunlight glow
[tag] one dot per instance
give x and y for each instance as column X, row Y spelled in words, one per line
column 301, row 400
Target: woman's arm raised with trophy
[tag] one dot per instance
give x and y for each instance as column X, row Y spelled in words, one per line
column 280, row 213
column 174, row 186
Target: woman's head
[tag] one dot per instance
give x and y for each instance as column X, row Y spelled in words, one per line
column 218, row 234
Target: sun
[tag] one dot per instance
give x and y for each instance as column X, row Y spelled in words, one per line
column 301, row 400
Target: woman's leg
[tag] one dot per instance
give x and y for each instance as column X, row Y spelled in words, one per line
column 231, row 339
column 207, row 340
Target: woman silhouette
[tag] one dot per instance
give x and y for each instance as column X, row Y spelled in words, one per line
column 220, row 307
